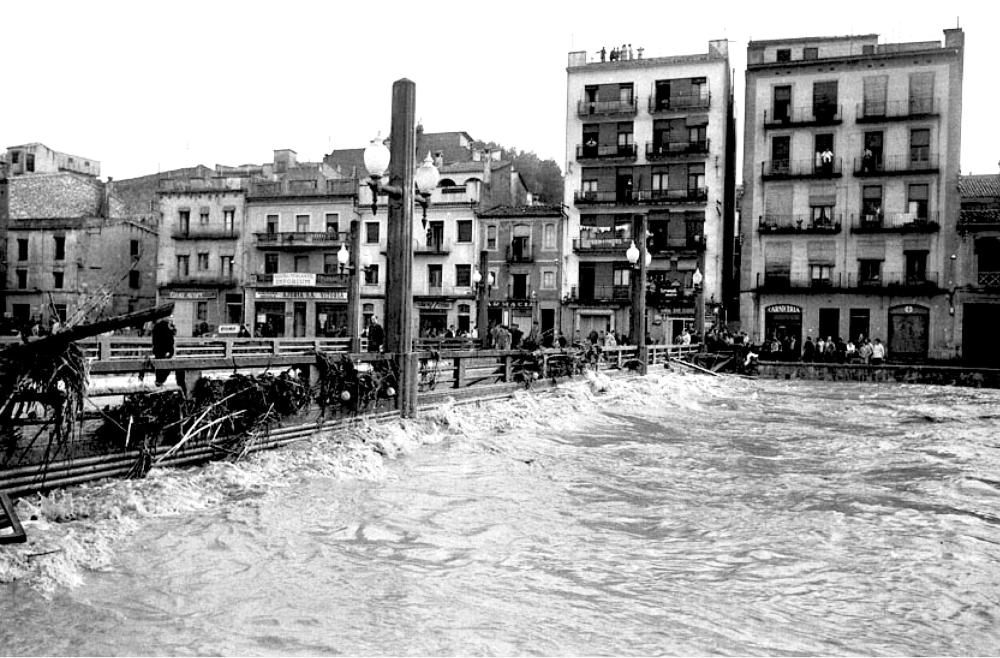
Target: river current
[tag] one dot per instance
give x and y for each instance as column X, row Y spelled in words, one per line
column 674, row 514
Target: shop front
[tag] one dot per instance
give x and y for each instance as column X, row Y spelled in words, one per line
column 194, row 310
column 909, row 332
column 783, row 322
column 280, row 313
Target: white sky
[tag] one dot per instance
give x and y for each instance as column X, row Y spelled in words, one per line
column 144, row 86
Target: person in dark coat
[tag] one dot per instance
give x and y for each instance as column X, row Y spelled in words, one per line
column 163, row 345
column 376, row 336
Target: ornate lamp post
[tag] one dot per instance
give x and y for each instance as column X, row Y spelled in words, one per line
column 639, row 258
column 482, row 287
column 401, row 191
column 699, row 302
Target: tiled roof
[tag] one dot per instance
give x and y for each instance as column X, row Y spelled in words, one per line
column 472, row 166
column 980, row 185
column 523, row 211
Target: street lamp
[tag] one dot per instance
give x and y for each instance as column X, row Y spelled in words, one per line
column 482, row 285
column 639, row 258
column 403, row 179
column 699, row 300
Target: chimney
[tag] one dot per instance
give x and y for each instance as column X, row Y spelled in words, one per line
column 106, row 201
column 954, row 38
column 719, row 47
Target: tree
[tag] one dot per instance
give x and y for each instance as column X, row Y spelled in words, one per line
column 542, row 177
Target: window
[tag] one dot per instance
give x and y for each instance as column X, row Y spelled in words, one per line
column 202, row 311
column 871, row 157
column 133, row 249
column 696, row 178
column 203, row 217
column 871, row 204
column 783, row 55
column 491, row 237
column 916, row 267
column 330, row 263
column 368, row 310
column 463, row 276
column 659, row 181
column 549, row 236
column 916, row 200
column 301, row 263
column 371, row 232
column 626, row 93
column 922, row 92
column 133, row 279
column 810, row 53
column 22, row 248
column 625, row 141
column 589, row 187
column 869, row 272
column 29, row 162
column 622, row 277
column 434, row 276
column 229, row 219
column 183, row 265
column 60, row 247
column 60, row 310
column 781, row 147
column 782, row 102
column 333, row 223
column 226, row 265
column 920, row 146
column 875, row 92
column 58, row 279
column 825, row 100
column 15, row 157
column 272, row 224
column 371, row 275
column 302, row 223
column 203, row 261
column 549, row 280
column 868, row 49
column 22, row 279
column 821, row 275
column 184, row 221
column 464, row 230
column 270, row 263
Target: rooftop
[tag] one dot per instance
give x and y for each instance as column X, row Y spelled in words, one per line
column 979, row 185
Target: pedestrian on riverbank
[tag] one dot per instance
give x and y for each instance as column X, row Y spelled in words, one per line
column 163, row 345
column 878, row 353
column 376, row 336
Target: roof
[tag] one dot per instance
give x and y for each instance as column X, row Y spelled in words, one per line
column 845, row 37
column 980, row 185
column 350, row 161
column 523, row 211
column 472, row 166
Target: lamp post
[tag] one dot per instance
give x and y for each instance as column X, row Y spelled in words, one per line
column 350, row 262
column 699, row 303
column 399, row 162
column 483, row 284
column 639, row 258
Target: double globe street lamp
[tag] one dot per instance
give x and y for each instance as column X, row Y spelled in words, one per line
column 640, row 259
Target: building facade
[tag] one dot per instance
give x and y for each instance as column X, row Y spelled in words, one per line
column 523, row 252
column 850, row 172
column 976, row 301
column 650, row 138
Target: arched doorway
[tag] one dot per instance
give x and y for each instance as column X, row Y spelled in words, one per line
column 909, row 332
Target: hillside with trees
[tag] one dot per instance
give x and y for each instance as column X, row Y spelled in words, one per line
column 543, row 177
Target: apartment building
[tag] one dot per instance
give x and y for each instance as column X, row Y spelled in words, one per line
column 649, row 140
column 69, row 242
column 976, row 300
column 522, row 245
column 851, row 191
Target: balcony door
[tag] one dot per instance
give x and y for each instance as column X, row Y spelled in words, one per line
column 871, row 158
column 782, row 103
column 519, row 286
column 624, row 187
column 781, row 151
column 909, row 332
column 662, row 94
column 916, row 267
column 435, row 236
column 588, row 278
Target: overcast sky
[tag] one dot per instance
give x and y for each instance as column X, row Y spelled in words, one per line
column 143, row 87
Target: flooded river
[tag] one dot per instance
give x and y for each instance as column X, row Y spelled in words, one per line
column 669, row 515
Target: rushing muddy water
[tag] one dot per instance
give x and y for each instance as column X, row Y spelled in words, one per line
column 670, row 515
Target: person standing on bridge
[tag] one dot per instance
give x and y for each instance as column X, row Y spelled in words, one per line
column 163, row 345
column 376, row 336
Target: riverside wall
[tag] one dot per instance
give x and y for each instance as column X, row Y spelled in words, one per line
column 888, row 373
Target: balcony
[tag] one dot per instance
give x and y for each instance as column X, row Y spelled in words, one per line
column 980, row 219
column 885, row 283
column 896, row 222
column 691, row 242
column 809, row 115
column 619, row 107
column 299, row 279
column 519, row 255
column 199, row 233
column 988, row 279
column 792, row 169
column 896, row 165
column 202, row 281
column 606, row 152
column 807, row 224
column 658, row 197
column 881, row 111
column 432, row 248
column 299, row 240
column 609, row 241
column 673, row 150
column 679, row 103
column 304, row 188
column 463, row 292
column 596, row 294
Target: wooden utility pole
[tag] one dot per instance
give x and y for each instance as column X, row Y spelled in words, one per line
column 639, row 294
column 354, row 288
column 399, row 269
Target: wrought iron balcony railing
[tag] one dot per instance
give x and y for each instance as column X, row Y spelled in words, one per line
column 918, row 162
column 800, row 224
column 622, row 107
column 914, row 108
column 680, row 102
column 894, row 222
column 808, row 115
column 300, row 239
column 812, row 168
column 666, row 150
column 605, row 152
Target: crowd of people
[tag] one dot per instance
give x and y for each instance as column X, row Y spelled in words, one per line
column 826, row 350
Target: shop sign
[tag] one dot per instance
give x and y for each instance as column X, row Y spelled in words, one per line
column 339, row 295
column 432, row 305
column 227, row 329
column 783, row 308
column 294, row 279
column 191, row 294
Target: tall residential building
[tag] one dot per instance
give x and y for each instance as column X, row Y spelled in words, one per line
column 69, row 242
column 649, row 137
column 850, row 169
column 977, row 302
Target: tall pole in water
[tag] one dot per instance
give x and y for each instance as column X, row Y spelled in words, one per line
column 483, row 298
column 399, row 271
column 638, row 329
